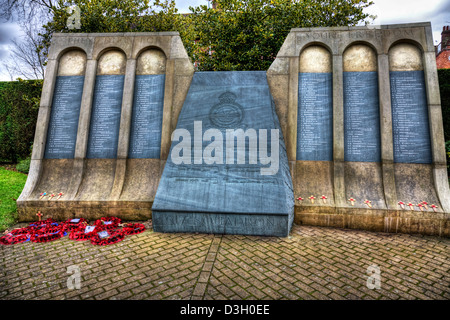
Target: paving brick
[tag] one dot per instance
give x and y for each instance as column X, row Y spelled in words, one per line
column 313, row 263
column 199, row 289
column 106, row 295
column 144, row 296
column 90, row 295
column 204, row 276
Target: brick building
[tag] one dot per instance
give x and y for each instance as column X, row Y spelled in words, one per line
column 443, row 50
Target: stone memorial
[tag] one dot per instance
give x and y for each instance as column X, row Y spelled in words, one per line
column 220, row 193
column 109, row 104
column 125, row 128
column 386, row 127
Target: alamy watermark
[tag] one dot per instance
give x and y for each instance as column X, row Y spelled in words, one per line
column 213, row 153
column 74, row 281
column 374, row 277
column 74, row 20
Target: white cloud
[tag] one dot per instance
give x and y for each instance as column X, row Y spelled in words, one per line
column 183, row 5
column 409, row 11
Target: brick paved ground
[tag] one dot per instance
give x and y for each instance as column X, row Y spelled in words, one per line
column 312, row 263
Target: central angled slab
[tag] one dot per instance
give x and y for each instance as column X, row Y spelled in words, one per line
column 226, row 197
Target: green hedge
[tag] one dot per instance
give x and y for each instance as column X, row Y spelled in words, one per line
column 444, row 87
column 19, row 105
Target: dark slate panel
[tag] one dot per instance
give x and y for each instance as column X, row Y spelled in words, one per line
column 211, row 192
column 146, row 123
column 315, row 117
column 105, row 117
column 65, row 112
column 256, row 224
column 361, row 117
column 411, row 130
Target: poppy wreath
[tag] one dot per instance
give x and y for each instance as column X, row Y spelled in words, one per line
column 51, row 230
column 21, row 231
column 80, row 234
column 114, row 237
column 75, row 226
column 16, row 236
column 47, row 237
column 48, row 233
column 42, row 227
column 133, row 228
column 108, row 223
column 42, row 223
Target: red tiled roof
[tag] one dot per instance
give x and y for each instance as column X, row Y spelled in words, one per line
column 443, row 60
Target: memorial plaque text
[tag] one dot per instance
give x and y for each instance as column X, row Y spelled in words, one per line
column 148, row 103
column 63, row 125
column 361, row 117
column 410, row 117
column 105, row 117
column 315, row 117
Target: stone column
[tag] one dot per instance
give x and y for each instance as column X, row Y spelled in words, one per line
column 291, row 138
column 40, row 136
column 338, row 130
column 124, row 131
column 83, row 127
column 387, row 144
column 436, row 130
column 168, row 123
column 179, row 74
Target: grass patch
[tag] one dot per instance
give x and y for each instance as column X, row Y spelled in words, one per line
column 11, row 185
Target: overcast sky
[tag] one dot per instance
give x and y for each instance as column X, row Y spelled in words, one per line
column 387, row 11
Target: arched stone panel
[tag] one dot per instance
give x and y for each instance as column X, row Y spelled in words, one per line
column 410, row 123
column 411, row 131
column 361, row 105
column 315, row 107
column 63, row 125
column 362, row 142
column 66, row 104
column 100, row 165
column 144, row 151
column 106, row 106
column 313, row 168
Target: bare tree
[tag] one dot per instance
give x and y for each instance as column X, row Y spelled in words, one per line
column 25, row 9
column 26, row 59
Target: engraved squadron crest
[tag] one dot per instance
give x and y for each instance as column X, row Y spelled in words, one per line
column 227, row 113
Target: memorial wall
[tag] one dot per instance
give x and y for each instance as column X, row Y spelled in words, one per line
column 109, row 104
column 358, row 108
column 360, row 111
